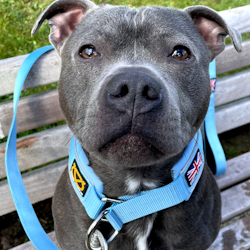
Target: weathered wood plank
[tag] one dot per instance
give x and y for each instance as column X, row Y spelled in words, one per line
column 39, row 148
column 46, row 70
column 30, row 246
column 238, row 18
column 233, row 87
column 235, row 200
column 232, row 115
column 237, row 171
column 40, row 185
column 49, row 145
column 33, row 112
column 230, row 59
column 235, row 236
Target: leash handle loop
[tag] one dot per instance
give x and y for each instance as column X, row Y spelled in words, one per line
column 24, row 208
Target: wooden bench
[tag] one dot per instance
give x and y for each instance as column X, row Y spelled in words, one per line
column 232, row 97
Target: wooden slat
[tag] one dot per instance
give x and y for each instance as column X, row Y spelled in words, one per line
column 40, row 185
column 49, row 145
column 39, row 148
column 232, row 87
column 30, row 246
column 46, row 70
column 230, row 59
column 237, row 171
column 33, row 111
column 235, row 200
column 238, row 18
column 232, row 115
column 235, row 236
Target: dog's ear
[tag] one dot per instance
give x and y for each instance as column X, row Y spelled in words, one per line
column 63, row 16
column 213, row 29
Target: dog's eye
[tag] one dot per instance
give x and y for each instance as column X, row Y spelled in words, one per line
column 181, row 54
column 88, row 51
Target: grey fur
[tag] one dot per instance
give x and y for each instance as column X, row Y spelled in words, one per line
column 134, row 108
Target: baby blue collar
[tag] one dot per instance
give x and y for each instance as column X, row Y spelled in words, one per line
column 89, row 188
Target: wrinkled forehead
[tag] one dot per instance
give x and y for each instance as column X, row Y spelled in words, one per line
column 114, row 23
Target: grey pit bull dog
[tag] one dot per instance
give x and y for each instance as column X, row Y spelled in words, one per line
column 134, row 90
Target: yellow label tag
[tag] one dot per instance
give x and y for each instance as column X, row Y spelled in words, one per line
column 78, row 178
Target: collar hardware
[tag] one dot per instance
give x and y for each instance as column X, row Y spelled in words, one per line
column 106, row 199
column 94, row 238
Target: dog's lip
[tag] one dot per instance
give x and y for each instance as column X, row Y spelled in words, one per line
column 131, row 139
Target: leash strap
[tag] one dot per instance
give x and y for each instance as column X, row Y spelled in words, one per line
column 213, row 150
column 24, row 208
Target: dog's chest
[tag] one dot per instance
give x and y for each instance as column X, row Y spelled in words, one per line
column 141, row 231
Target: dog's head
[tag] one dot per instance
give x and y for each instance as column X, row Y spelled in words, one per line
column 134, row 85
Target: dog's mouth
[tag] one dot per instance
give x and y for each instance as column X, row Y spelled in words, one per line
column 131, row 150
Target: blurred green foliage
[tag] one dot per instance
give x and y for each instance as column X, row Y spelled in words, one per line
column 18, row 16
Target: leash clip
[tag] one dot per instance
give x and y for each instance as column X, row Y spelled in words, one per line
column 94, row 238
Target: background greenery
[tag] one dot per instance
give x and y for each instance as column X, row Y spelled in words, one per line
column 18, row 16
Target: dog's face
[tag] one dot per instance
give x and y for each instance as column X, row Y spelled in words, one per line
column 135, row 102
column 134, row 85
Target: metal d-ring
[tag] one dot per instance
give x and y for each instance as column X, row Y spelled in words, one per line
column 94, row 235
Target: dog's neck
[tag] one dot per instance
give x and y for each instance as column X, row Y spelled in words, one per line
column 124, row 181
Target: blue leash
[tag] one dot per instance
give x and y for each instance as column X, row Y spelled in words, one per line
column 24, row 208
column 215, row 156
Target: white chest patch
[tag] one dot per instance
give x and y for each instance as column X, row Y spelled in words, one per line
column 132, row 184
column 141, row 239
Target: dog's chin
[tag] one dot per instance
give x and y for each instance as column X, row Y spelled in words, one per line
column 131, row 151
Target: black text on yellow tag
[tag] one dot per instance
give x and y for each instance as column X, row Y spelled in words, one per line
column 79, row 180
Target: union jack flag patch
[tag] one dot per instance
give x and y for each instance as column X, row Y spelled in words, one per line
column 194, row 168
column 213, row 84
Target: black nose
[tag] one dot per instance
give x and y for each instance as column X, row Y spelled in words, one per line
column 133, row 92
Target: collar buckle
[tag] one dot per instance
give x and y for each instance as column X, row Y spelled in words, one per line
column 94, row 238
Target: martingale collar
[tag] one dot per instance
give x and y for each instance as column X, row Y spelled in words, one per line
column 89, row 188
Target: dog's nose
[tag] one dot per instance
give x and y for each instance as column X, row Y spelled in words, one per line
column 133, row 92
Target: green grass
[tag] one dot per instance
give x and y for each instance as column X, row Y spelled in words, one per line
column 18, row 16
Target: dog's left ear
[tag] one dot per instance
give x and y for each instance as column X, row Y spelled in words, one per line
column 213, row 29
column 63, row 17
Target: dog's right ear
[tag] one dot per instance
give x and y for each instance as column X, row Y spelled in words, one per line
column 213, row 29
column 63, row 16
